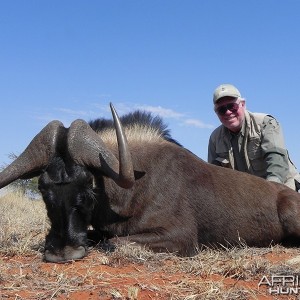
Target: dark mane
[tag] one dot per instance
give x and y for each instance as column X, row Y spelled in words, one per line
column 143, row 118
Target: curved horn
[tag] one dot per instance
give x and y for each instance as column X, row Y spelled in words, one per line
column 126, row 171
column 87, row 148
column 36, row 156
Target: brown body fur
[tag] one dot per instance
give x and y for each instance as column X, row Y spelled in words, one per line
column 183, row 202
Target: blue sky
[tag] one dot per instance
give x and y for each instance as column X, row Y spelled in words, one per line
column 68, row 59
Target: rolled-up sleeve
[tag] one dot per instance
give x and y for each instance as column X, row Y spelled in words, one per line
column 274, row 151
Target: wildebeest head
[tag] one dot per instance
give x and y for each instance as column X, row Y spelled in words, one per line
column 64, row 157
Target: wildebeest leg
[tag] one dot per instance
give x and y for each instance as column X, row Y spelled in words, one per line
column 289, row 215
column 159, row 243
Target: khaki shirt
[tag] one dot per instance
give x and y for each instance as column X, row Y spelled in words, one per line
column 257, row 149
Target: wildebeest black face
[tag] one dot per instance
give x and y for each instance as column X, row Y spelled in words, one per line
column 62, row 157
column 67, row 192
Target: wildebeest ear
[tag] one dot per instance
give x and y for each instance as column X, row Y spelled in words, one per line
column 138, row 174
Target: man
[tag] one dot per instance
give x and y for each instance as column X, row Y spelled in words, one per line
column 249, row 142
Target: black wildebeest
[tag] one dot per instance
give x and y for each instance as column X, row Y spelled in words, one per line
column 144, row 187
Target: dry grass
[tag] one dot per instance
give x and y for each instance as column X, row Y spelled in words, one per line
column 23, row 224
column 130, row 272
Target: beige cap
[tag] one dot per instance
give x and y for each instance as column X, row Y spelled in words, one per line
column 225, row 90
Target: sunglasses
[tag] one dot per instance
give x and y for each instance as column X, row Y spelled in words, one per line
column 233, row 107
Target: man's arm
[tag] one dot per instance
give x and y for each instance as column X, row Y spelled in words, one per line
column 274, row 151
column 212, row 155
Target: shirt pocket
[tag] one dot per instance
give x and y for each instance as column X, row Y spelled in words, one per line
column 255, row 154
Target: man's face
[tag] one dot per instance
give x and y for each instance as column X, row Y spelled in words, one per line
column 231, row 112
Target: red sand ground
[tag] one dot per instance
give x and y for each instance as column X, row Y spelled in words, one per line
column 95, row 277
